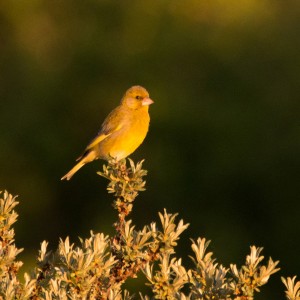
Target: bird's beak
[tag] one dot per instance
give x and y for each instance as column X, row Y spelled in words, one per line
column 147, row 101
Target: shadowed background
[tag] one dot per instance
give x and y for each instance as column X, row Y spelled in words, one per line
column 224, row 141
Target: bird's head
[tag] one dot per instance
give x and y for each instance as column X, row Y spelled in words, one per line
column 137, row 97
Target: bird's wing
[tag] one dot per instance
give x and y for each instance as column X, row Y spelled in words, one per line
column 111, row 124
column 101, row 136
column 98, row 138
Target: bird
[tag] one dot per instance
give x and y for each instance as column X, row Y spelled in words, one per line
column 121, row 133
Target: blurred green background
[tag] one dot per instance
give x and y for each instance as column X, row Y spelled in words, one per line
column 223, row 147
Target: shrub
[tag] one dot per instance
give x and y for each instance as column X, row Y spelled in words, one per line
column 100, row 265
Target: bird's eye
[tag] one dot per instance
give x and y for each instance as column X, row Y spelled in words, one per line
column 138, row 97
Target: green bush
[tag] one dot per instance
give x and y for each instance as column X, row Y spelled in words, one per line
column 101, row 264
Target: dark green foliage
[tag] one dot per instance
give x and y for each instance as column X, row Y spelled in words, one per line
column 224, row 140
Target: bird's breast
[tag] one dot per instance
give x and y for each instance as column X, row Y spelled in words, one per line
column 126, row 140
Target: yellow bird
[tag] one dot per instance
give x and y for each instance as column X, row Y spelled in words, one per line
column 121, row 133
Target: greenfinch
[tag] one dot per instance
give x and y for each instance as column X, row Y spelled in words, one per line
column 121, row 133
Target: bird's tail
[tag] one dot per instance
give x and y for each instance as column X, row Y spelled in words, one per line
column 88, row 157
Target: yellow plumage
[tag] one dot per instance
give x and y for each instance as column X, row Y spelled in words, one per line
column 121, row 133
